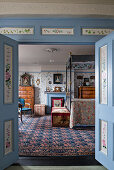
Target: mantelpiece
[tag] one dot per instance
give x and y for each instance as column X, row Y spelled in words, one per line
column 51, row 95
column 55, row 92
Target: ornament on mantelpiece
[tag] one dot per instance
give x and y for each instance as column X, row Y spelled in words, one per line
column 48, row 89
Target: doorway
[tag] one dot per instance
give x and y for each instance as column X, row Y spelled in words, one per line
column 41, row 62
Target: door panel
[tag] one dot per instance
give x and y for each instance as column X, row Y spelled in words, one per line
column 8, row 101
column 104, row 108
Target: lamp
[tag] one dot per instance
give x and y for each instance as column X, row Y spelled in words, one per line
column 51, row 50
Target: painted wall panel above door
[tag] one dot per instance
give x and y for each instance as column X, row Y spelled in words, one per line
column 74, row 35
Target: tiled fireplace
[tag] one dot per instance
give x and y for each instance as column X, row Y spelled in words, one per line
column 52, row 95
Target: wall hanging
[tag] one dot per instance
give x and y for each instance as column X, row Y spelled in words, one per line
column 12, row 30
column 8, row 87
column 57, row 31
column 96, row 31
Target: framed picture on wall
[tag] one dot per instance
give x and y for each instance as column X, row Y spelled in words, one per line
column 57, row 78
column 25, row 80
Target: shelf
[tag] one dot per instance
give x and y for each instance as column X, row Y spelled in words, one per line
column 54, row 92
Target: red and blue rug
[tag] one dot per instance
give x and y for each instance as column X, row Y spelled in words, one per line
column 38, row 138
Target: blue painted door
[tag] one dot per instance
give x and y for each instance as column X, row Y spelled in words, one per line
column 8, row 101
column 104, row 106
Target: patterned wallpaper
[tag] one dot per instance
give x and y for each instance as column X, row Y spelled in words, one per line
column 45, row 79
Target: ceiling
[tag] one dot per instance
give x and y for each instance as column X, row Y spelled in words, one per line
column 39, row 55
column 63, row 1
column 57, row 8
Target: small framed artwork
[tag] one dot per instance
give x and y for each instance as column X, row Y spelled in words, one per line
column 104, row 137
column 57, row 79
column 8, row 135
column 57, row 102
column 86, row 79
column 25, row 80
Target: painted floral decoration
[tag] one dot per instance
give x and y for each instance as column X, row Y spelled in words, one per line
column 8, row 76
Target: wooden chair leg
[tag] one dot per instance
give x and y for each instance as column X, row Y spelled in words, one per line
column 31, row 113
column 21, row 116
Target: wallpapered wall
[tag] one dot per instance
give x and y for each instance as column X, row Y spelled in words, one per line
column 45, row 77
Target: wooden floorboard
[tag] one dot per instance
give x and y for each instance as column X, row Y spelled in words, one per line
column 57, row 161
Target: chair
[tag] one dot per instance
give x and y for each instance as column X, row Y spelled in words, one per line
column 25, row 109
column 20, row 110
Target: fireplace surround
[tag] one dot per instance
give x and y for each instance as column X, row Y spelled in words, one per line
column 53, row 95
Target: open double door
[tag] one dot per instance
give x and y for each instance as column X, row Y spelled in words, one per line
column 104, row 105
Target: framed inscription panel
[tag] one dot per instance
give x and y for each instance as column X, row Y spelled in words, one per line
column 8, row 134
column 103, row 75
column 8, row 89
column 104, row 136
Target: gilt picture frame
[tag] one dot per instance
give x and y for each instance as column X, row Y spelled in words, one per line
column 25, row 80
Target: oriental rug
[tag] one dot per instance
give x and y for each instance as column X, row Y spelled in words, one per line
column 38, row 138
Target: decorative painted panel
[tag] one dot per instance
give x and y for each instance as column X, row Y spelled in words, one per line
column 83, row 65
column 103, row 75
column 12, row 30
column 104, row 136
column 57, row 31
column 96, row 31
column 8, row 96
column 8, row 137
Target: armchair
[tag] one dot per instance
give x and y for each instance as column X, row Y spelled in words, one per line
column 25, row 109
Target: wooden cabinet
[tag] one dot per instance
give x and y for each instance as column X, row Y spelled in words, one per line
column 27, row 93
column 86, row 92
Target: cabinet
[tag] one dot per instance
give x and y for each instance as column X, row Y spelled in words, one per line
column 27, row 93
column 86, row 92
column 39, row 109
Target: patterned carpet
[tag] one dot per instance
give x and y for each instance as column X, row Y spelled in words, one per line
column 38, row 138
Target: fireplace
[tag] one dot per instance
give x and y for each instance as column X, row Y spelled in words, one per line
column 57, row 101
column 58, row 95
